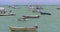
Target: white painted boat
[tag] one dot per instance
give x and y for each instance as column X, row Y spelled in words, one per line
column 23, row 28
column 31, row 16
column 10, row 14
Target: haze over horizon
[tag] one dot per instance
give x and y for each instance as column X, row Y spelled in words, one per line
column 29, row 2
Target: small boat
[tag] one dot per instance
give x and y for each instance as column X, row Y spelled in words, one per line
column 45, row 13
column 23, row 28
column 58, row 8
column 15, row 7
column 11, row 14
column 4, row 12
column 31, row 16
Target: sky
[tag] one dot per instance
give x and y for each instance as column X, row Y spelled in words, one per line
column 29, row 2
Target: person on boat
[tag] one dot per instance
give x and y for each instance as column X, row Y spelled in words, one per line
column 4, row 11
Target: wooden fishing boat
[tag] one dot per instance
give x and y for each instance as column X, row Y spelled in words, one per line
column 23, row 28
column 31, row 16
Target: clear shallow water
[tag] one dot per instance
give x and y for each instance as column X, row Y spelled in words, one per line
column 46, row 23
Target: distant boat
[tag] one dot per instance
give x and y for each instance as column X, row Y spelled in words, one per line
column 58, row 8
column 45, row 13
column 4, row 12
column 42, row 12
column 11, row 14
column 14, row 7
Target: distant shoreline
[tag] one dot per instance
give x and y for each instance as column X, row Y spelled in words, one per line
column 28, row 5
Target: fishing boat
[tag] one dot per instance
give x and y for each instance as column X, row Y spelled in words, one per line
column 31, row 16
column 4, row 12
column 23, row 28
